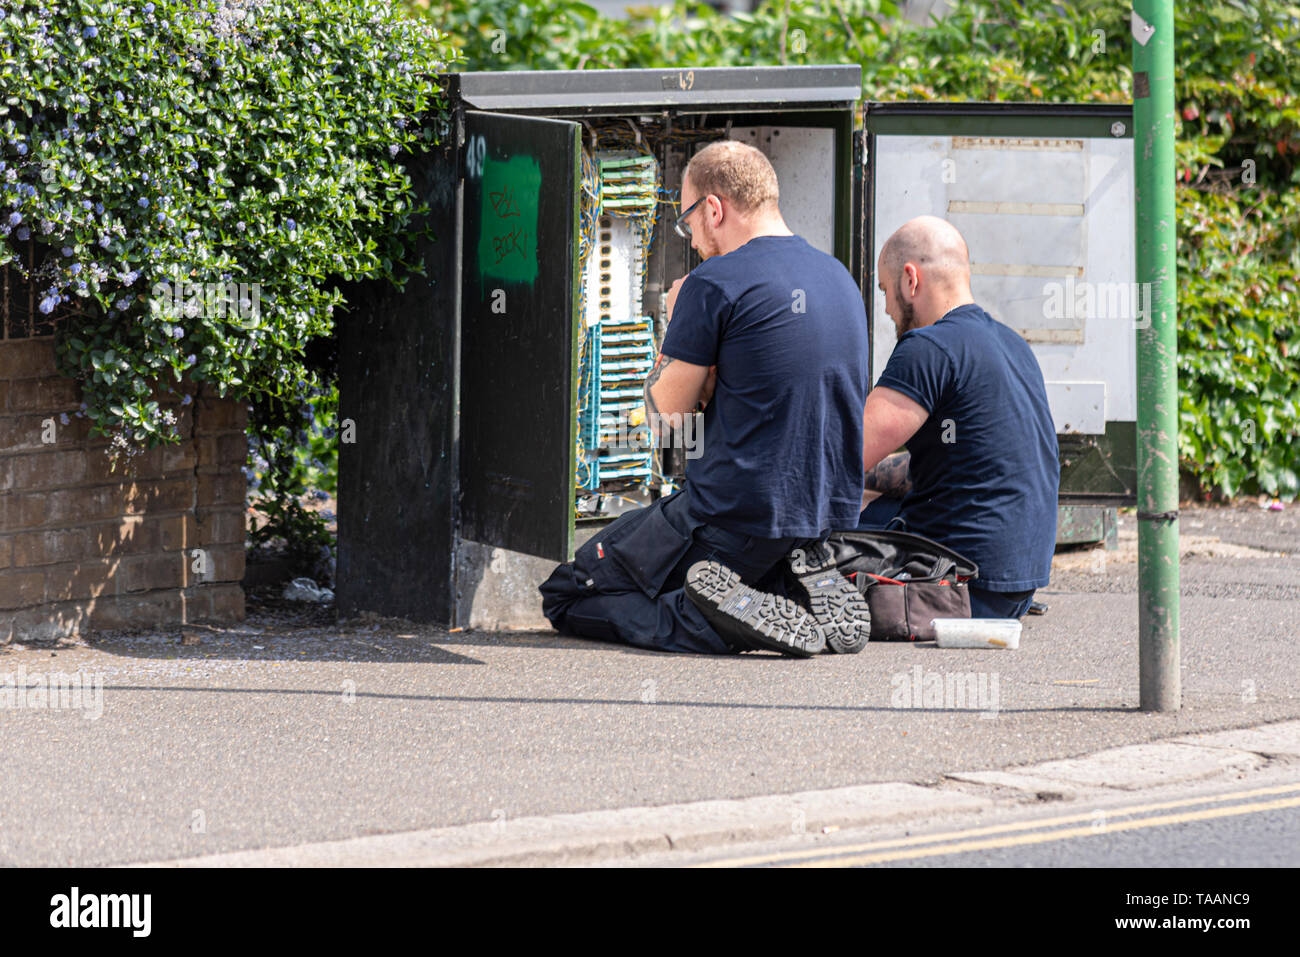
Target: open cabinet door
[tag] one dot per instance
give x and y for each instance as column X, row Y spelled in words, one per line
column 1043, row 194
column 519, row 333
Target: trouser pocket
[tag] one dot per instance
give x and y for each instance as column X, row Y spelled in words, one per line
column 649, row 552
column 637, row 551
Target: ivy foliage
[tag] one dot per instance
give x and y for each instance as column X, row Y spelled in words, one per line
column 1238, row 149
column 152, row 149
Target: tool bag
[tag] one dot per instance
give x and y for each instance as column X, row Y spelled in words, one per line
column 907, row 580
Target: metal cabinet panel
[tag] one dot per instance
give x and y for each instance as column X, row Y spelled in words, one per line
column 1044, row 196
column 519, row 333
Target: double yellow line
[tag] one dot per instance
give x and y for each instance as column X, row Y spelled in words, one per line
column 1003, row 835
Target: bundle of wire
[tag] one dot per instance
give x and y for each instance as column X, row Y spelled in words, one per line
column 589, row 214
column 620, row 177
column 629, row 188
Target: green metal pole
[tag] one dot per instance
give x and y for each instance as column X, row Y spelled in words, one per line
column 1157, row 355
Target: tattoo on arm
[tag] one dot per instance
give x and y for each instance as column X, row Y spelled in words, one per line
column 658, row 428
column 663, row 363
column 890, row 476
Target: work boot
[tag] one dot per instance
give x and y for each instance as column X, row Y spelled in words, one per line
column 750, row 617
column 835, row 602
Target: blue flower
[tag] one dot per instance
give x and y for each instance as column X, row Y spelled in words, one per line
column 191, row 359
column 162, row 217
column 90, row 32
column 15, row 218
column 148, row 8
column 119, row 97
column 22, row 149
column 48, row 304
column 187, row 400
column 143, row 202
column 75, row 268
column 99, row 208
column 66, row 250
column 393, row 149
column 85, row 204
column 177, row 332
column 23, row 234
column 290, row 225
column 104, row 241
column 63, row 417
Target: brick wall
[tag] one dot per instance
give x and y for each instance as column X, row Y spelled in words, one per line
column 157, row 542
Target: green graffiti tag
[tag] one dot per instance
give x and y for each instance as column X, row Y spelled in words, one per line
column 507, row 246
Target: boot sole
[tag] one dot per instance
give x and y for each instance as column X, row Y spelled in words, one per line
column 836, row 603
column 762, row 620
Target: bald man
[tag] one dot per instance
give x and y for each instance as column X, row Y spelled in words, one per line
column 965, row 395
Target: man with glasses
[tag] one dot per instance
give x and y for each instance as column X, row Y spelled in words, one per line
column 769, row 335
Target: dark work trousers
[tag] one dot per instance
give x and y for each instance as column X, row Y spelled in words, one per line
column 882, row 513
column 625, row 584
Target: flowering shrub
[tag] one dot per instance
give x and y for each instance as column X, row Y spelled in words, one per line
column 148, row 147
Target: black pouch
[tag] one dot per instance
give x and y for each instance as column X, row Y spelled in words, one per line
column 907, row 580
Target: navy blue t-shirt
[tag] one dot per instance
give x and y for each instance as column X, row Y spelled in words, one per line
column 984, row 466
column 782, row 444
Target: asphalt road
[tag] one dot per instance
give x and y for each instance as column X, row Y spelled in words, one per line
column 1260, row 839
column 1252, row 822
column 274, row 735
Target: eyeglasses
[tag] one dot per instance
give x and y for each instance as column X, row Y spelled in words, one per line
column 682, row 229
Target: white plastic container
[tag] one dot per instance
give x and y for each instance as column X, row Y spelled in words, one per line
column 977, row 632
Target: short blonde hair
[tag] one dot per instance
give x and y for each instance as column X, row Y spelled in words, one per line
column 737, row 171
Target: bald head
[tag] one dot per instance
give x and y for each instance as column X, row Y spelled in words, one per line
column 924, row 272
column 934, row 245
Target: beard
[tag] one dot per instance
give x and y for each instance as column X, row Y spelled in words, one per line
column 909, row 316
column 708, row 244
column 907, row 313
